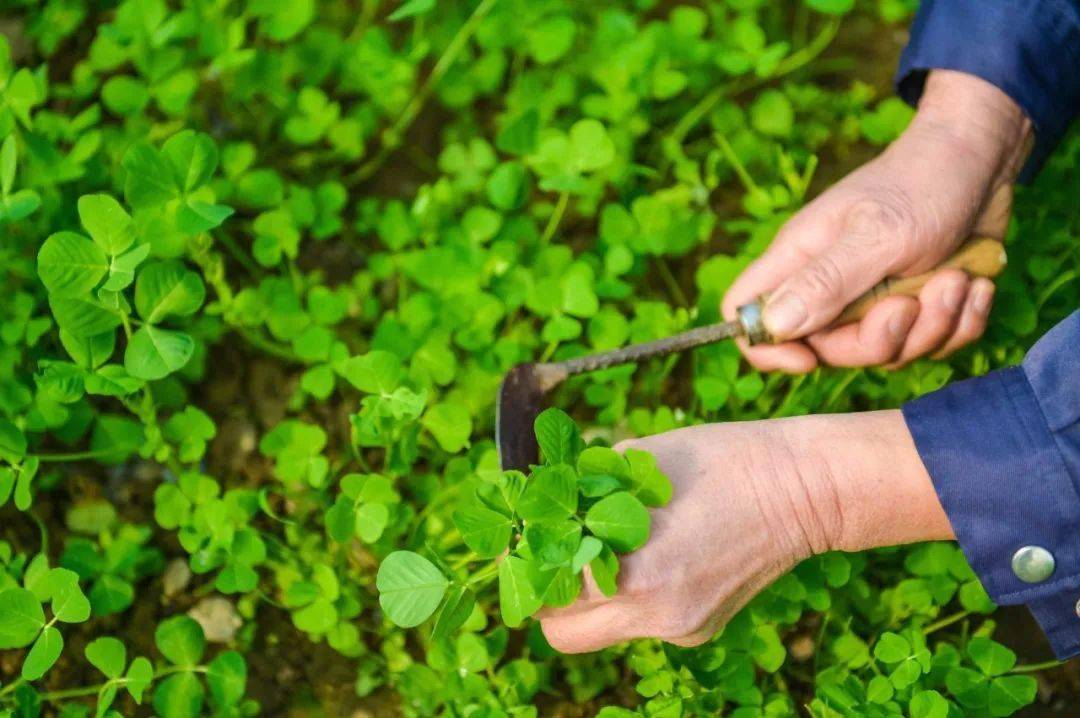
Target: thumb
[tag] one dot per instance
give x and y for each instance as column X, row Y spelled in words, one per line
column 815, row 294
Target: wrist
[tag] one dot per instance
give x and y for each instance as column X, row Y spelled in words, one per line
column 879, row 493
column 976, row 119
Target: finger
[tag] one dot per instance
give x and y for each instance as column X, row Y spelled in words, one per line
column 789, row 357
column 590, row 630
column 876, row 339
column 940, row 303
column 973, row 317
column 870, row 242
column 781, row 259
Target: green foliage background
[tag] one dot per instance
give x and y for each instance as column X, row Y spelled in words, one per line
column 264, row 263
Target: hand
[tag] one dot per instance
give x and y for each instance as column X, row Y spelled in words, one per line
column 948, row 177
column 751, row 500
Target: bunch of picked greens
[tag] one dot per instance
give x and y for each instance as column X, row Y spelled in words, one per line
column 582, row 507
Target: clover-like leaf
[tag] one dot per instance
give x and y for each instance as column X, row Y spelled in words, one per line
column 550, row 495
column 621, row 520
column 107, row 222
column 70, row 265
column 181, row 640
column 517, row 598
column 485, row 531
column 166, row 289
column 108, row 655
column 410, row 588
column 43, row 654
column 21, row 618
column 154, row 353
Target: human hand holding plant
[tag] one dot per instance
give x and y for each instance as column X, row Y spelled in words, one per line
column 947, row 177
column 750, row 500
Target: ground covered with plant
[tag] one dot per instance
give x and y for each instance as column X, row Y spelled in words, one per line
column 264, row 264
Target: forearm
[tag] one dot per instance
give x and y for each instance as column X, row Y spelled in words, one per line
column 879, row 493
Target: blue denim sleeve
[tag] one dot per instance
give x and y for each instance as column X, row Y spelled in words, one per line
column 1003, row 451
column 1028, row 48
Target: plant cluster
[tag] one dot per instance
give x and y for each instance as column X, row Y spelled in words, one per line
column 264, row 266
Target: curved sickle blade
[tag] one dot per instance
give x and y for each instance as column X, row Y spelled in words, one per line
column 521, row 399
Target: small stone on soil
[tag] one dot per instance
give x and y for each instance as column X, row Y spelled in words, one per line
column 177, row 577
column 218, row 618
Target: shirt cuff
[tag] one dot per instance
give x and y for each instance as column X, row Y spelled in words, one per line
column 1005, row 486
column 1030, row 50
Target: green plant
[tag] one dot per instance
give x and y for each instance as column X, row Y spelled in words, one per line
column 582, row 507
column 264, row 265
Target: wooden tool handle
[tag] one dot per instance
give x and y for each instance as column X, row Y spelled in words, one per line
column 979, row 257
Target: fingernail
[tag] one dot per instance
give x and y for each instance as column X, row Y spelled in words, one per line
column 784, row 314
column 983, row 296
column 899, row 323
column 954, row 297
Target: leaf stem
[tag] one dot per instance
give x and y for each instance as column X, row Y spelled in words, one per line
column 792, row 62
column 555, row 219
column 943, row 623
column 393, row 136
column 1033, row 667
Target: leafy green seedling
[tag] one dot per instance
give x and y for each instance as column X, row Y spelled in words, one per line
column 580, row 507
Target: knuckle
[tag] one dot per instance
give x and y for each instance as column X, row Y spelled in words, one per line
column 824, row 278
column 884, row 219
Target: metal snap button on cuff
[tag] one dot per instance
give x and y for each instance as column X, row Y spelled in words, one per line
column 1033, row 564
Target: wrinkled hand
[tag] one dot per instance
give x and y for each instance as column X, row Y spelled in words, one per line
column 751, row 500
column 948, row 177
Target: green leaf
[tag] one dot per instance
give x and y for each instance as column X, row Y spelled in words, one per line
column 450, row 424
column 605, row 571
column 12, row 442
column 83, row 317
column 1009, row 694
column 651, row 485
column 772, row 114
column 377, row 372
column 517, row 598
column 21, row 618
column 149, row 181
column 589, row 549
column 591, row 145
column 179, row 696
column 8, row 159
column 69, row 603
column 410, row 588
column 551, row 38
column 928, row 704
column 371, row 520
column 155, row 353
column 558, row 436
column 192, row 157
column 891, row 648
column 550, row 495
column 226, row 677
column 990, row 657
column 70, row 265
column 108, row 655
column 43, row 654
column 454, row 611
column 621, row 520
column 553, row 543
column 485, row 531
column 139, row 676
column 108, row 224
column 166, row 289
column 180, row 639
